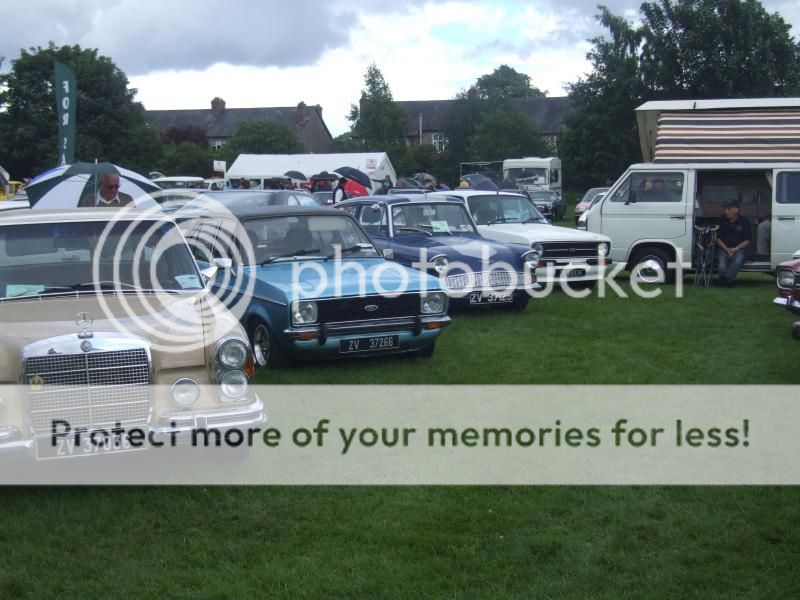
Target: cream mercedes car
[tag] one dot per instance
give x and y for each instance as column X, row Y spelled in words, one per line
column 106, row 324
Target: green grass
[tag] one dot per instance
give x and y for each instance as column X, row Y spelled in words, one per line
column 455, row 542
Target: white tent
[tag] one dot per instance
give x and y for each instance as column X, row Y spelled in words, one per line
column 263, row 166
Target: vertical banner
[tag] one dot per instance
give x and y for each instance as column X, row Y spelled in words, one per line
column 66, row 88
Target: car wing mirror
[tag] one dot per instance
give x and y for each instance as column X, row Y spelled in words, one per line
column 223, row 263
column 209, row 274
column 388, row 254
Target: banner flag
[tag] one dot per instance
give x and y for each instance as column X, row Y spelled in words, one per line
column 66, row 89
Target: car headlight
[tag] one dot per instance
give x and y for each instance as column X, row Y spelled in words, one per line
column 433, row 304
column 785, row 278
column 304, row 312
column 234, row 384
column 233, row 354
column 440, row 264
column 531, row 259
column 538, row 248
column 602, row 249
column 185, row 392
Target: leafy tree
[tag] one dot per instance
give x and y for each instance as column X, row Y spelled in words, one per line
column 186, row 158
column 346, row 143
column 187, row 133
column 110, row 124
column 683, row 49
column 263, row 136
column 506, row 82
column 378, row 121
column 408, row 160
column 506, row 132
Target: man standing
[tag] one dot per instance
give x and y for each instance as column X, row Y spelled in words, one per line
column 339, row 193
column 108, row 194
column 732, row 240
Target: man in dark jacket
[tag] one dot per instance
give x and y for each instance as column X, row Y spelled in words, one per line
column 733, row 239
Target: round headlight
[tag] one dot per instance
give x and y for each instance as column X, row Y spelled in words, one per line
column 602, row 249
column 234, row 384
column 233, row 354
column 433, row 304
column 185, row 392
column 304, row 312
column 538, row 248
column 785, row 278
column 531, row 259
column 440, row 264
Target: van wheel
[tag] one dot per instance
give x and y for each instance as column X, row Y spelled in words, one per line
column 266, row 352
column 650, row 266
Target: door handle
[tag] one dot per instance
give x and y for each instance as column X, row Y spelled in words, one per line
column 785, row 218
column 680, row 218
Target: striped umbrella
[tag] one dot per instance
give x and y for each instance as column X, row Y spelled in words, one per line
column 66, row 186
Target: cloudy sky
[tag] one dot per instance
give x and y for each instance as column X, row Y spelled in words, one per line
column 182, row 53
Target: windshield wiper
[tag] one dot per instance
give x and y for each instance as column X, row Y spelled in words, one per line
column 409, row 228
column 305, row 252
column 55, row 289
column 351, row 250
column 104, row 285
column 497, row 220
column 534, row 220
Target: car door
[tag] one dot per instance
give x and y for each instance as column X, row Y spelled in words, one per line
column 785, row 223
column 375, row 221
column 648, row 205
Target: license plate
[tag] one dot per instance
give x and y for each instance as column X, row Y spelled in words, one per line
column 103, row 442
column 377, row 343
column 576, row 273
column 490, row 297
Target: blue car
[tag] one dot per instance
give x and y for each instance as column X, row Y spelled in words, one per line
column 437, row 234
column 311, row 285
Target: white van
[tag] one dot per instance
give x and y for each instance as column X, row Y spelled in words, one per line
column 705, row 153
column 534, row 173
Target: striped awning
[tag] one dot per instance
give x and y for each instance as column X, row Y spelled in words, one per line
column 722, row 136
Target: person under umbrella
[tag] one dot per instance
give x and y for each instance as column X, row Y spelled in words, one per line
column 108, row 194
column 339, row 192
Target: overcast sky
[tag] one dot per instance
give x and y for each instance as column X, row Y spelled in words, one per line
column 182, row 53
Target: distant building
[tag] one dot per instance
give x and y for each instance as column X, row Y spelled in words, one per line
column 429, row 116
column 220, row 122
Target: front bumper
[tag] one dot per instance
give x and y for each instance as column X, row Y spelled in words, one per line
column 322, row 341
column 556, row 272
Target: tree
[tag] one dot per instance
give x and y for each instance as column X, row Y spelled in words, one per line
column 186, row 158
column 506, row 82
column 263, row 136
column 110, row 124
column 503, row 133
column 378, row 121
column 683, row 49
column 346, row 143
column 187, row 133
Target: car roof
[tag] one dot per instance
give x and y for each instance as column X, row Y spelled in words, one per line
column 72, row 215
column 244, row 213
column 468, row 193
column 400, row 199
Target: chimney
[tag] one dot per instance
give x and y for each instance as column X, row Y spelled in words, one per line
column 319, row 110
column 301, row 113
column 217, row 105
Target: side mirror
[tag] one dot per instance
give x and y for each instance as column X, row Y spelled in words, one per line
column 223, row 263
column 375, row 207
column 209, row 274
column 388, row 254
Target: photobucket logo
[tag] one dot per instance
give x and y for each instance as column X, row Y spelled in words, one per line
column 158, row 292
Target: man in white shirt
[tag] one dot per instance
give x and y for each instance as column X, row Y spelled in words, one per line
column 108, row 195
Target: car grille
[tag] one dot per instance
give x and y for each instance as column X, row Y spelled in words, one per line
column 567, row 250
column 89, row 390
column 489, row 279
column 341, row 310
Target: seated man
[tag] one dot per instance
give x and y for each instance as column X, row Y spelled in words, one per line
column 732, row 240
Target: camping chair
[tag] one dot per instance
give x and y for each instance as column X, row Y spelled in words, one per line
column 704, row 252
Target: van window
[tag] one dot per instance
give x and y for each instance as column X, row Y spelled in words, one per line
column 553, row 175
column 788, row 189
column 651, row 187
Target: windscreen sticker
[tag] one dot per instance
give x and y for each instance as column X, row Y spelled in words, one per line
column 188, row 282
column 21, row 289
column 440, row 227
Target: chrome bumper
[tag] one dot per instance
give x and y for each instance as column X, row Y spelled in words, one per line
column 414, row 324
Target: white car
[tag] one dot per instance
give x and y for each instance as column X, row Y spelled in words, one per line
column 577, row 256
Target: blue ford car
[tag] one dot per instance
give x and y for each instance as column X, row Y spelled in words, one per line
column 311, row 284
column 436, row 234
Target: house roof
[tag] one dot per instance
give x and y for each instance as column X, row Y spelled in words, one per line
column 548, row 113
column 224, row 123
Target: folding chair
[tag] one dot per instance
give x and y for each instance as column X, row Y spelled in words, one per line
column 704, row 251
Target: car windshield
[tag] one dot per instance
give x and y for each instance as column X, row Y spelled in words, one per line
column 50, row 258
column 312, row 236
column 498, row 208
column 591, row 193
column 431, row 219
column 529, row 175
column 544, row 196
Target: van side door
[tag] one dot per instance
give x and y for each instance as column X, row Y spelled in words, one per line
column 648, row 205
column 785, row 215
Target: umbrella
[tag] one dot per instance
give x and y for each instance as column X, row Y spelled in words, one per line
column 325, row 176
column 404, row 182
column 481, row 182
column 355, row 175
column 295, row 175
column 354, row 189
column 66, row 186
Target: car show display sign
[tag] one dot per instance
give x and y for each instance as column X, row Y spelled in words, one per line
column 66, row 87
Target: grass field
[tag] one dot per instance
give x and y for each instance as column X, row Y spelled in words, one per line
column 532, row 542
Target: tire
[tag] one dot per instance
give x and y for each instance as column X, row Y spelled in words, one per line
column 427, row 351
column 650, row 266
column 266, row 352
